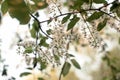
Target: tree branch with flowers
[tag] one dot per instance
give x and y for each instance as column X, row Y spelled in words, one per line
column 82, row 19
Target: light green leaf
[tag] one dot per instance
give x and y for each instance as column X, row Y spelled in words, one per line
column 66, row 68
column 19, row 11
column 56, row 57
column 43, row 64
column 35, row 26
column 24, row 74
column 43, row 42
column 101, row 25
column 65, row 19
column 28, row 50
column 33, row 33
column 75, row 63
column 94, row 16
column 4, row 7
column 72, row 22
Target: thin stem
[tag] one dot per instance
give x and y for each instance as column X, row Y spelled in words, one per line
column 89, row 30
column 110, row 15
column 90, row 1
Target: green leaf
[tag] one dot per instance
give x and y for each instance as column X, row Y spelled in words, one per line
column 4, row 7
column 35, row 26
column 99, row 1
column 24, row 74
column 40, row 79
column 70, row 55
column 19, row 11
column 72, row 22
column 28, row 50
column 29, row 68
column 56, row 57
column 33, row 33
column 49, row 31
column 65, row 19
column 42, row 64
column 94, row 16
column 78, row 3
column 35, row 62
column 101, row 25
column 75, row 63
column 114, row 6
column 66, row 68
column 43, row 42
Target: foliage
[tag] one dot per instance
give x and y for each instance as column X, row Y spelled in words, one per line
column 61, row 32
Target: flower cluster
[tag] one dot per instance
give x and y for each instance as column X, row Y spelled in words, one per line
column 114, row 24
column 90, row 32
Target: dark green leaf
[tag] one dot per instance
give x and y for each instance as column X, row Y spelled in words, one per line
column 29, row 68
column 114, row 6
column 99, row 1
column 70, row 55
column 4, row 7
column 24, row 74
column 66, row 68
column 101, row 25
column 28, row 50
column 75, row 63
column 40, row 79
column 35, row 62
column 37, row 14
column 65, row 19
column 72, row 22
column 94, row 16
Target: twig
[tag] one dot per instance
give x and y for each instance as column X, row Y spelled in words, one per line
column 40, row 26
column 89, row 30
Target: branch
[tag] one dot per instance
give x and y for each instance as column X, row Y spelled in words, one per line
column 40, row 26
column 79, row 12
